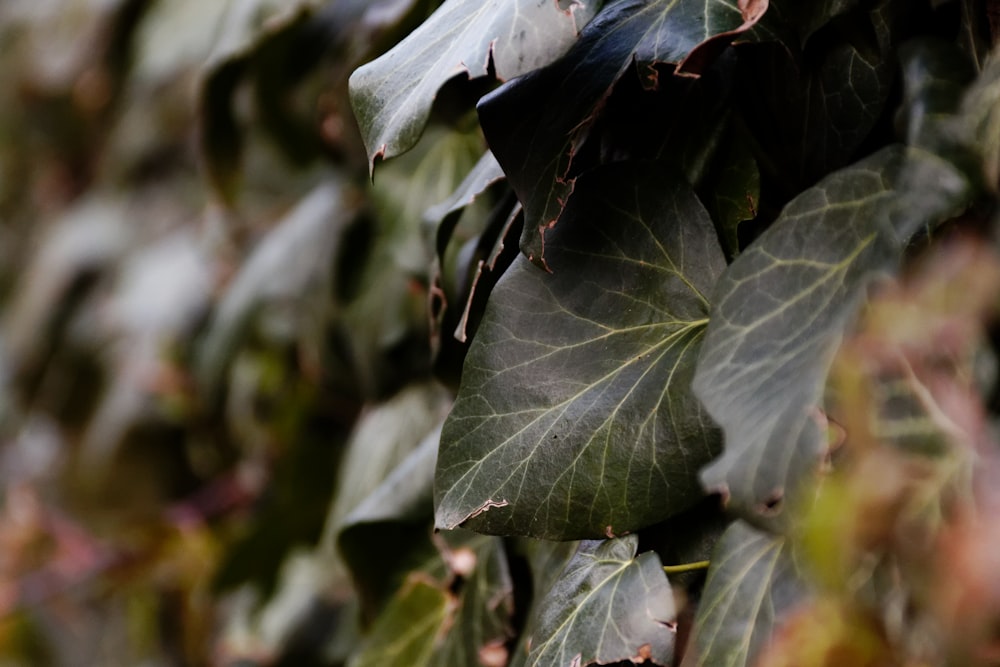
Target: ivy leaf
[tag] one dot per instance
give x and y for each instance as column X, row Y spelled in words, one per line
column 606, row 606
column 781, row 307
column 535, row 124
column 752, row 582
column 392, row 95
column 575, row 416
column 434, row 623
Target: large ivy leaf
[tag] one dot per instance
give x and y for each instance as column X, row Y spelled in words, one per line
column 575, row 416
column 780, row 310
column 608, row 605
column 535, row 124
column 392, row 95
column 752, row 582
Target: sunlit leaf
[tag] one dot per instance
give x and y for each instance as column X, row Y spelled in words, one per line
column 536, row 123
column 607, row 605
column 392, row 96
column 752, row 583
column 575, row 416
column 780, row 309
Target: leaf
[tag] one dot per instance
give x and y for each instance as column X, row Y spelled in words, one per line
column 399, row 511
column 606, row 606
column 433, row 623
column 810, row 115
column 752, row 583
column 546, row 560
column 735, row 190
column 535, row 124
column 290, row 265
column 781, row 307
column 485, row 173
column 575, row 417
column 392, row 95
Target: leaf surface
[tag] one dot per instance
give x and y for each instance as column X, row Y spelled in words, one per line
column 751, row 583
column 780, row 309
column 607, row 605
column 575, row 416
column 535, row 124
column 392, row 95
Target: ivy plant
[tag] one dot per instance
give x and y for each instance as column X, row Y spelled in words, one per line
column 708, row 198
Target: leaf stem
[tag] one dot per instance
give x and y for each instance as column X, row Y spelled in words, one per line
column 686, row 567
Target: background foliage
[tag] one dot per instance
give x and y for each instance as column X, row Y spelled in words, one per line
column 528, row 333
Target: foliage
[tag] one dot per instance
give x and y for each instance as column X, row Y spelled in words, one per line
column 531, row 333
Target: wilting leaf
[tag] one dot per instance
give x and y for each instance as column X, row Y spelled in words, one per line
column 607, row 605
column 434, row 623
column 751, row 583
column 535, row 124
column 392, row 95
column 780, row 310
column 575, row 416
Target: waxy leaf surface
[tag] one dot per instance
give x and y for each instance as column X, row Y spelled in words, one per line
column 607, row 605
column 780, row 310
column 535, row 124
column 575, row 416
column 751, row 583
column 392, row 95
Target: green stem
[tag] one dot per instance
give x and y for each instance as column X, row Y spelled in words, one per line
column 686, row 567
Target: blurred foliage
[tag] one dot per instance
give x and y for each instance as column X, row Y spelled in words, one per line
column 232, row 334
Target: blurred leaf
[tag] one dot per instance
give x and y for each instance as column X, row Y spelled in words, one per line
column 429, row 624
column 536, row 124
column 752, row 584
column 607, row 605
column 392, row 96
column 780, row 310
column 568, row 367
column 290, row 266
column 399, row 511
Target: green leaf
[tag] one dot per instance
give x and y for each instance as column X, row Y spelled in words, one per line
column 751, row 583
column 607, row 606
column 399, row 511
column 780, row 309
column 535, row 124
column 291, row 265
column 434, row 623
column 392, row 95
column 575, row 416
column 810, row 115
column 546, row 560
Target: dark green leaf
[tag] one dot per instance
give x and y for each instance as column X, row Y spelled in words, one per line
column 392, row 96
column 546, row 561
column 810, row 116
column 734, row 189
column 780, row 310
column 535, row 124
column 607, row 605
column 575, row 417
column 752, row 581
